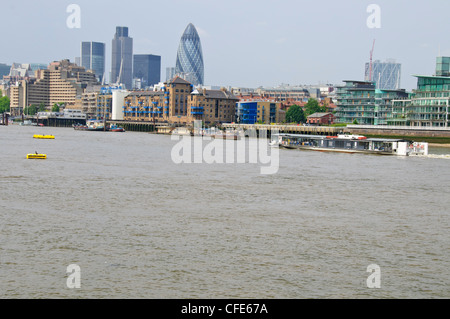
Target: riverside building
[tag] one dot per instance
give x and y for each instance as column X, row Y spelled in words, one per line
column 178, row 102
column 429, row 104
column 63, row 82
column 251, row 111
column 360, row 102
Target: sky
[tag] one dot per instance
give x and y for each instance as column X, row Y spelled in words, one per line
column 245, row 43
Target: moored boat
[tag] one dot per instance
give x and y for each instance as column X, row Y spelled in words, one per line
column 350, row 144
column 115, row 128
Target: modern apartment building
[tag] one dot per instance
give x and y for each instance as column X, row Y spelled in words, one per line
column 62, row 82
column 429, row 104
column 147, row 69
column 122, row 58
column 93, row 58
column 178, row 102
column 360, row 102
column 251, row 111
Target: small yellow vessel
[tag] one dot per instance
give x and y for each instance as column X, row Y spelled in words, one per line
column 36, row 156
column 44, row 136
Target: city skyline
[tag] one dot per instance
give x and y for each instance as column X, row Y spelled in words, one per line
column 248, row 44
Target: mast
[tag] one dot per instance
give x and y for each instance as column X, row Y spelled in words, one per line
column 370, row 63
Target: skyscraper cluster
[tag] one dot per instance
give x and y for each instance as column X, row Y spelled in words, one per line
column 136, row 71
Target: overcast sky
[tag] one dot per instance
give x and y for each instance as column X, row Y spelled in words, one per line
column 247, row 43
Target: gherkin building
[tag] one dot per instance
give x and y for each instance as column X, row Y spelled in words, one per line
column 189, row 57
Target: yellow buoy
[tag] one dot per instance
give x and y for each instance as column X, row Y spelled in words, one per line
column 44, row 136
column 36, row 156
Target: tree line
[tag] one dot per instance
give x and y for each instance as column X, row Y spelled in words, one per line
column 33, row 108
column 296, row 114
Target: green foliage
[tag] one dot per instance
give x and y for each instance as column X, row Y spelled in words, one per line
column 295, row 114
column 313, row 106
column 30, row 110
column 41, row 107
column 55, row 107
column 4, row 104
column 355, row 122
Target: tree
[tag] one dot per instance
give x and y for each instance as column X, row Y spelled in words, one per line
column 55, row 107
column 295, row 114
column 4, row 104
column 313, row 106
column 30, row 110
column 41, row 107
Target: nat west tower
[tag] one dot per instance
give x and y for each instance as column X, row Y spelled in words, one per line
column 122, row 58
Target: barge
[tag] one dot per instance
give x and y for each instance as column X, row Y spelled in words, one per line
column 345, row 143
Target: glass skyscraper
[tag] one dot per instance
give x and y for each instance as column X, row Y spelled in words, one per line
column 189, row 63
column 386, row 75
column 122, row 58
column 93, row 58
column 147, row 68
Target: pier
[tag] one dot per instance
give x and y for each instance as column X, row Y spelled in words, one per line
column 138, row 126
column 292, row 129
column 59, row 122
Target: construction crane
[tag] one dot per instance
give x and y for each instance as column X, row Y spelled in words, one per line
column 370, row 63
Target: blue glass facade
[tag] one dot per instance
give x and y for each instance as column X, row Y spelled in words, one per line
column 247, row 112
column 147, row 68
column 190, row 57
column 93, row 58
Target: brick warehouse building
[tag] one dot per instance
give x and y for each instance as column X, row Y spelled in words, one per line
column 178, row 102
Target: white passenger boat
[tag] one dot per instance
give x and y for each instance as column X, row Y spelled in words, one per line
column 350, row 144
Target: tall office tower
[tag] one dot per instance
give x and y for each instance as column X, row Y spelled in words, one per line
column 170, row 73
column 189, row 63
column 147, row 68
column 386, row 75
column 93, row 58
column 122, row 58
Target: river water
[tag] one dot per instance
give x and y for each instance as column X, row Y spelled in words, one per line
column 139, row 225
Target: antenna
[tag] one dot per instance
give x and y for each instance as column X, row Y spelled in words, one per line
column 370, row 63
